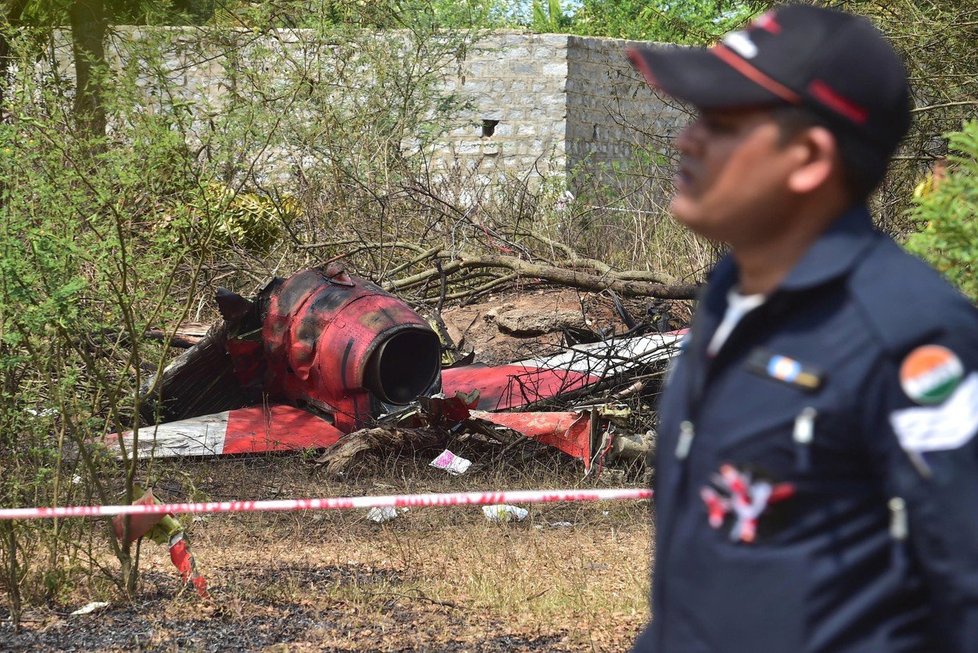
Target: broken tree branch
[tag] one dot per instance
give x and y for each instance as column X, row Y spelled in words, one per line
column 572, row 259
column 629, row 284
column 352, row 446
column 478, row 290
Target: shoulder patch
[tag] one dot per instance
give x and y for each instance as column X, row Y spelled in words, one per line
column 937, row 428
column 929, row 374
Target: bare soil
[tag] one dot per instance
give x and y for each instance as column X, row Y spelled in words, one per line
column 483, row 327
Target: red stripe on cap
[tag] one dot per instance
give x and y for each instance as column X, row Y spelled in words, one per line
column 753, row 74
column 842, row 105
column 767, row 22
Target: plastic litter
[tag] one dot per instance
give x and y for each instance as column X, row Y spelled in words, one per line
column 504, row 513
column 94, row 606
column 381, row 515
column 451, row 463
column 555, row 524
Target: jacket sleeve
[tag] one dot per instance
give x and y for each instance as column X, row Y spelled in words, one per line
column 921, row 420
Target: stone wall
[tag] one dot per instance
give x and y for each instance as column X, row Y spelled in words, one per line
column 556, row 104
column 518, row 121
column 611, row 111
column 541, row 105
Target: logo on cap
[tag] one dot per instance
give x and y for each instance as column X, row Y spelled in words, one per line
column 740, row 43
column 767, row 21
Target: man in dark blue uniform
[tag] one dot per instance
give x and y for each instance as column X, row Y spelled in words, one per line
column 817, row 472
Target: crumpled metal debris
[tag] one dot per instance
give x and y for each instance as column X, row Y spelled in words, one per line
column 163, row 529
column 323, row 354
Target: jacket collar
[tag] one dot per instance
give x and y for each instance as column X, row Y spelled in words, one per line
column 832, row 255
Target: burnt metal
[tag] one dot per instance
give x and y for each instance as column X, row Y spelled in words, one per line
column 320, row 338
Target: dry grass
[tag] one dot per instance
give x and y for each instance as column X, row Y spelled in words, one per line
column 434, row 579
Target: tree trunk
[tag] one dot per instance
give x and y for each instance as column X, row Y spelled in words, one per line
column 12, row 572
column 88, row 28
column 11, row 19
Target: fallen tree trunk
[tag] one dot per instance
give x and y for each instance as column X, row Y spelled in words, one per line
column 628, row 284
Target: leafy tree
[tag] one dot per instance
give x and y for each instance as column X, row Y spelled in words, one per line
column 691, row 21
column 549, row 17
column 89, row 21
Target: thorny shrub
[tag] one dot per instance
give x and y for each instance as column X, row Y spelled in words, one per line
column 82, row 277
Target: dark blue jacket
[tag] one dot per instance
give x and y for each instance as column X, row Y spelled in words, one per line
column 817, row 480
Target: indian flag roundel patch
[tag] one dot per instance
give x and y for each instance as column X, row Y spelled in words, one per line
column 929, row 374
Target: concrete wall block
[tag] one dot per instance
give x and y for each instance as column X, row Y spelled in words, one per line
column 549, row 101
column 478, row 68
column 558, row 129
column 555, row 69
column 504, row 130
column 511, row 40
column 556, row 96
column 523, row 68
column 493, row 112
column 575, row 85
column 468, row 148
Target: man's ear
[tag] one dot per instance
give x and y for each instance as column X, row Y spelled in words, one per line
column 818, row 161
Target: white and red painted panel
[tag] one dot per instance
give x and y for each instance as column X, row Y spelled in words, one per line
column 244, row 430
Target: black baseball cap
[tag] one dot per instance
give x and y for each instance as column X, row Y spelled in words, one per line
column 834, row 63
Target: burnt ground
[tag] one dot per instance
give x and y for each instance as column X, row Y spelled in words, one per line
column 158, row 622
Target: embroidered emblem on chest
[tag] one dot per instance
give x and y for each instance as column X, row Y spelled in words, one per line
column 736, row 500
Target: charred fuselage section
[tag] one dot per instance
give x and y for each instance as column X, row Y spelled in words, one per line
column 321, row 339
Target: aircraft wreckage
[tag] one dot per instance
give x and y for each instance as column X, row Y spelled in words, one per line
column 323, row 354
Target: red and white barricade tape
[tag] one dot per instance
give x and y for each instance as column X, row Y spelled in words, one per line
column 338, row 503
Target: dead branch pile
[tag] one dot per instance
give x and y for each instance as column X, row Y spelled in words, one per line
column 352, row 447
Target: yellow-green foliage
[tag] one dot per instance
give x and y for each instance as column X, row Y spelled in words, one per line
column 948, row 215
column 222, row 217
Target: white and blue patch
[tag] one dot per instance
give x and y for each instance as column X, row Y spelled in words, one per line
column 784, row 368
column 949, row 425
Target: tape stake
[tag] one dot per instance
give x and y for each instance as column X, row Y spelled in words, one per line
column 335, row 503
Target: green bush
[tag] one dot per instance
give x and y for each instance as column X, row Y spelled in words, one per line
column 230, row 218
column 947, row 214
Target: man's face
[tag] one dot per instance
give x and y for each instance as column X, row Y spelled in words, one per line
column 732, row 180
